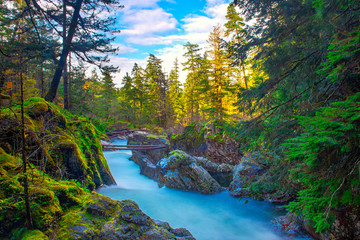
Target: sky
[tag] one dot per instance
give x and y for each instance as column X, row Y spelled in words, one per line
column 162, row 27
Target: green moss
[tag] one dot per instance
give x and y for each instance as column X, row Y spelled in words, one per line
column 37, row 108
column 34, row 235
column 54, row 137
column 26, row 234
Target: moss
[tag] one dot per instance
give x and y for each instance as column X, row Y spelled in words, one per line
column 26, row 234
column 34, row 235
column 37, row 109
column 44, row 206
column 54, row 137
column 68, row 193
column 71, row 218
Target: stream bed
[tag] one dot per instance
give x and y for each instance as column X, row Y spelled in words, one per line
column 207, row 217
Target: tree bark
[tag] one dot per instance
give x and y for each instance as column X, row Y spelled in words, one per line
column 51, row 94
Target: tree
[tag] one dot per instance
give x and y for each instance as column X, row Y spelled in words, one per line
column 157, row 90
column 191, row 96
column 219, row 79
column 20, row 39
column 86, row 33
column 175, row 94
column 140, row 86
column 128, row 91
column 237, row 43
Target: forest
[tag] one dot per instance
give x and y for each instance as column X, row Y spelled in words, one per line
column 286, row 85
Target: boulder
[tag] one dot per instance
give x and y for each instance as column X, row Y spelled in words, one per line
column 105, row 218
column 181, row 171
column 147, row 167
column 247, row 171
column 222, row 173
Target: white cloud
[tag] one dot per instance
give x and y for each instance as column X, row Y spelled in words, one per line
column 150, row 25
column 124, row 49
column 148, row 21
column 144, row 22
column 139, row 3
column 125, row 65
column 168, row 56
column 212, row 3
column 198, row 27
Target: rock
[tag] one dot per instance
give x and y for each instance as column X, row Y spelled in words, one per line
column 181, row 171
column 225, row 151
column 142, row 138
column 131, row 213
column 75, row 150
column 147, row 159
column 162, row 224
column 82, row 232
column 181, row 232
column 208, row 141
column 147, row 167
column 346, row 225
column 102, row 208
column 247, row 171
column 116, row 220
column 222, row 173
column 158, row 234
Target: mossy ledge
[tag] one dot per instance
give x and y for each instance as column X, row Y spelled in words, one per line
column 62, row 145
column 65, row 165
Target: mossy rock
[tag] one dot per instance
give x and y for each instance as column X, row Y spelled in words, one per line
column 45, row 207
column 68, row 193
column 34, row 235
column 26, row 234
column 37, row 109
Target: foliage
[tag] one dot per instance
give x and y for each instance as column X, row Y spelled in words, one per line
column 327, row 163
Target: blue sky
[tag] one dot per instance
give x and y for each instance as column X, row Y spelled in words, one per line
column 162, row 27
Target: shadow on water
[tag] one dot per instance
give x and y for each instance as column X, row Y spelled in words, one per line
column 208, row 217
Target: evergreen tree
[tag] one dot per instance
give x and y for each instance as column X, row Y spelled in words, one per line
column 237, row 43
column 157, row 91
column 191, row 94
column 219, row 79
column 175, row 95
column 129, row 97
column 140, row 94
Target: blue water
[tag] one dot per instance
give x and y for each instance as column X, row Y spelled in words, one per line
column 207, row 217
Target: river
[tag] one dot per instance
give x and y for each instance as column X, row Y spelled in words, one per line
column 207, row 217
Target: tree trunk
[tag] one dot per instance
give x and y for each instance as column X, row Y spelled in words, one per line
column 42, row 80
column 28, row 221
column 65, row 76
column 51, row 94
column 245, row 79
